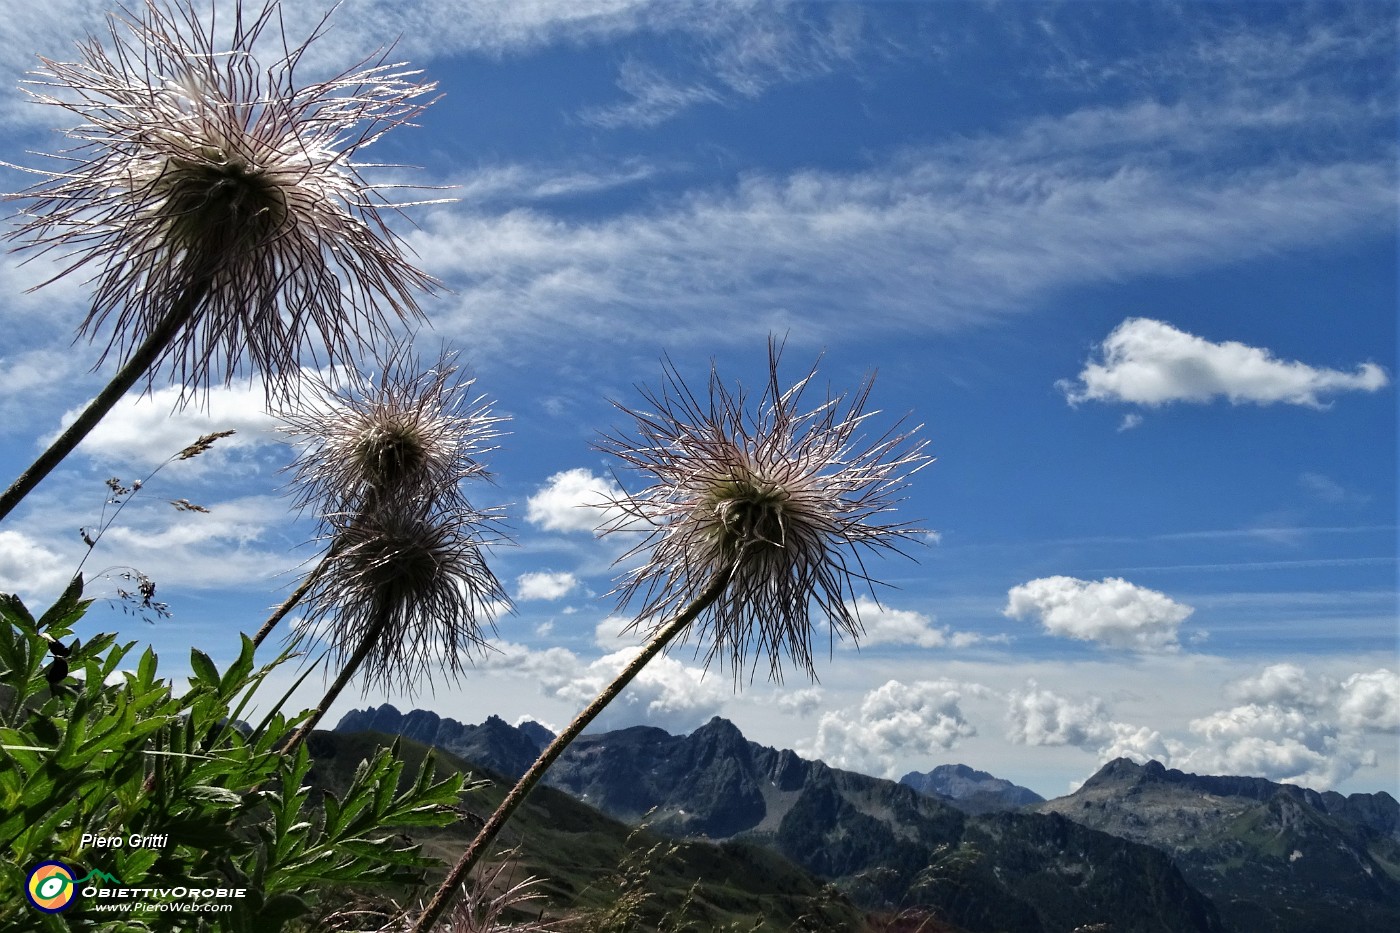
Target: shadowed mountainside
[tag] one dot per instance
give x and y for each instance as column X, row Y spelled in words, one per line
column 1272, row 856
column 887, row 845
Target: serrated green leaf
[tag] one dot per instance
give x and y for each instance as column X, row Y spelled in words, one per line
column 61, row 612
column 204, row 669
column 13, row 610
column 218, row 796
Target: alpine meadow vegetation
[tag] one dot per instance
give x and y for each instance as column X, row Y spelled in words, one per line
column 215, row 206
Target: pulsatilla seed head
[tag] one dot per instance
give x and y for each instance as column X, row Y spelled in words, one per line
column 419, row 573
column 206, row 187
column 781, row 499
column 409, row 432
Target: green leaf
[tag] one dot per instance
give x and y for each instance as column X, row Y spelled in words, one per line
column 217, row 796
column 45, row 730
column 204, row 669
column 67, row 609
column 15, row 613
column 237, row 674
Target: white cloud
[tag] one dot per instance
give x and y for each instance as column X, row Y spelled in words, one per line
column 515, row 184
column 1329, row 490
column 1130, row 421
column 1286, row 726
column 893, row 721
column 1370, row 701
column 1278, row 683
column 614, row 629
column 573, row 500
column 1276, row 742
column 150, row 429
column 1112, row 612
column 667, row 693
column 31, row 570
column 888, row 626
column 738, row 56
column 225, row 548
column 1147, row 362
column 803, row 701
column 1042, row 717
column 544, row 585
column 885, row 625
column 742, row 261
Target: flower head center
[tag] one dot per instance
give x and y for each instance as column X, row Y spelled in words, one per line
column 390, row 452
column 215, row 204
column 752, row 512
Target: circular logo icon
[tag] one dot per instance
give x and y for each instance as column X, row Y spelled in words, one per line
column 50, row 887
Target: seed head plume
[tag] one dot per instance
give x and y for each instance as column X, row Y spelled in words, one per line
column 782, row 500
column 416, row 582
column 206, row 185
column 410, row 433
column 382, row 462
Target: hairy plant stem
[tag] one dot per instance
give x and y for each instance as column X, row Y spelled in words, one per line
column 367, row 643
column 291, row 602
column 141, row 360
column 444, row 894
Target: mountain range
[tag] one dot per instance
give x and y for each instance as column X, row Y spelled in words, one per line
column 1137, row 847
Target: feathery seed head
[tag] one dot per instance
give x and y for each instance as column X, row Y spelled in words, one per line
column 421, row 573
column 204, row 184
column 410, row 433
column 781, row 500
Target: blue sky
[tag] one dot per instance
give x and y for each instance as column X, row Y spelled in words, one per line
column 1133, row 266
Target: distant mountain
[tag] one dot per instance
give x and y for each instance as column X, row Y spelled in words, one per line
column 582, row 855
column 969, row 790
column 1272, row 856
column 886, row 844
column 494, row 743
column 1135, row 848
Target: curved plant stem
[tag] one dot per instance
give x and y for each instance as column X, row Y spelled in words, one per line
column 527, row 782
column 348, row 671
column 291, row 602
column 130, row 373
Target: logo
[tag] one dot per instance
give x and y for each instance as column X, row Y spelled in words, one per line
column 51, row 886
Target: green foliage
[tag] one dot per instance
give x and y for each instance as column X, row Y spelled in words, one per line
column 90, row 745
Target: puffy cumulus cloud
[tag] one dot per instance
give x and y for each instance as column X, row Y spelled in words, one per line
column 1147, row 362
column 801, row 702
column 1042, row 717
column 1299, row 745
column 574, row 500
column 1037, row 716
column 893, row 721
column 1290, row 727
column 885, row 625
column 1286, row 726
column 667, row 693
column 150, row 429
column 544, row 585
column 1277, row 683
column 1370, row 702
column 614, row 630
column 1112, row 612
column 888, row 626
column 31, row 570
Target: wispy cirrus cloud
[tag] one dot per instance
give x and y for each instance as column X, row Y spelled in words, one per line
column 923, row 242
